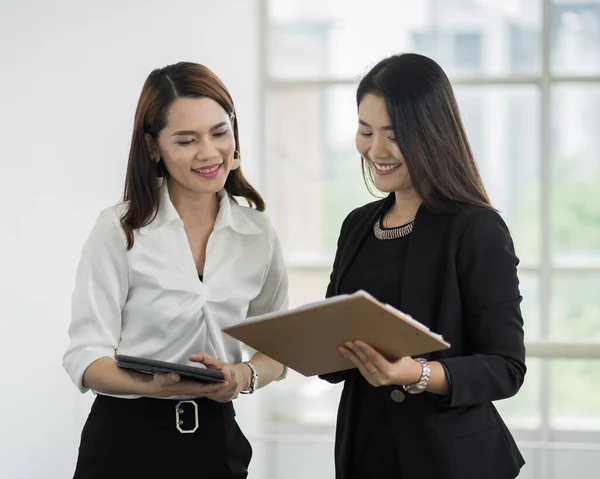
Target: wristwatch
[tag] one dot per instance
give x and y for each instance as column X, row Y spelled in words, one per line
column 253, row 379
column 420, row 387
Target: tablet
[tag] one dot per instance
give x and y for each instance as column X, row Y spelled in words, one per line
column 153, row 366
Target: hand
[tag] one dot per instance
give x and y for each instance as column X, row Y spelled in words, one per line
column 167, row 385
column 237, row 377
column 377, row 370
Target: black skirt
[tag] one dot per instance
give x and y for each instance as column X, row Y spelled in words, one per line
column 159, row 438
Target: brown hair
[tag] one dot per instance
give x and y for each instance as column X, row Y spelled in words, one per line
column 162, row 87
column 428, row 129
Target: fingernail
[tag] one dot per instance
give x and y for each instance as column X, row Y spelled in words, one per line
column 173, row 377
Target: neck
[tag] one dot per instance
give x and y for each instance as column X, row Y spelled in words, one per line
column 407, row 202
column 193, row 208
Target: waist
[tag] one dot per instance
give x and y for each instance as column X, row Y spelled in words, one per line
column 185, row 415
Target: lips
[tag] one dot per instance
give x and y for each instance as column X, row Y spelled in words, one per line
column 385, row 169
column 208, row 172
column 207, row 169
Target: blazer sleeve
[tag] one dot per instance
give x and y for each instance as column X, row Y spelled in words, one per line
column 339, row 376
column 487, row 275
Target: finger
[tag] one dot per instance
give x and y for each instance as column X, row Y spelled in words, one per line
column 208, row 361
column 369, row 366
column 373, row 356
column 227, row 375
column 166, row 380
column 349, row 354
column 195, row 388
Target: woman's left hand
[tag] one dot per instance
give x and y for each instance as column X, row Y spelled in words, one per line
column 377, row 370
column 237, row 378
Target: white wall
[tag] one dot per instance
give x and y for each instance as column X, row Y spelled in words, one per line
column 70, row 75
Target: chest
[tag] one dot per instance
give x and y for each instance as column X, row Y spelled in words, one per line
column 197, row 238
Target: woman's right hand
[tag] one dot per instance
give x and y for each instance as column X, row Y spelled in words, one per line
column 165, row 385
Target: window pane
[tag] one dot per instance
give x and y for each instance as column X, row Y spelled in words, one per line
column 311, row 139
column 576, row 174
column 575, row 394
column 503, row 128
column 575, row 306
column 311, row 38
column 575, row 37
column 582, row 463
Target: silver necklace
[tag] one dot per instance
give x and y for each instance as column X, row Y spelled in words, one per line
column 392, row 233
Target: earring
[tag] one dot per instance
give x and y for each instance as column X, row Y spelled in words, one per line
column 236, row 162
column 156, row 160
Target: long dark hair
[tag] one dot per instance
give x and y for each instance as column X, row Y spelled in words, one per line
column 162, row 87
column 428, row 129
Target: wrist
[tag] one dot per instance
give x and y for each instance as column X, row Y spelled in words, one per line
column 245, row 376
column 253, row 385
column 414, row 375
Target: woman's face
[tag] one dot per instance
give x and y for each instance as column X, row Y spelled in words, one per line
column 376, row 144
column 197, row 145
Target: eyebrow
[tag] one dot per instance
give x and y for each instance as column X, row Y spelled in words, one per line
column 195, row 133
column 387, row 128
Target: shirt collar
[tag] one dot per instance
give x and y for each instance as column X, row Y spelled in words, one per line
column 231, row 215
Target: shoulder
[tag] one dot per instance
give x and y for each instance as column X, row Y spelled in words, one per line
column 250, row 220
column 480, row 231
column 479, row 220
column 107, row 227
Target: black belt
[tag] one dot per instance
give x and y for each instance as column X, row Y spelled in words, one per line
column 185, row 415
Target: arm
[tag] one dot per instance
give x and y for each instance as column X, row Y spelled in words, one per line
column 487, row 273
column 101, row 287
column 273, row 297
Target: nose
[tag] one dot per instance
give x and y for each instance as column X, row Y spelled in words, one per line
column 206, row 150
column 379, row 149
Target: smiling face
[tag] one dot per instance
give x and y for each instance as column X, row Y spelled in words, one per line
column 197, row 145
column 376, row 143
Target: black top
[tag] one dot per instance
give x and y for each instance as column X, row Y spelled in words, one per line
column 460, row 280
column 377, row 269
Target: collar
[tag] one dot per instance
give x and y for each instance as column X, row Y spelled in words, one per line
column 230, row 215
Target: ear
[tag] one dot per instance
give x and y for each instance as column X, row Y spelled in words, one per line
column 151, row 145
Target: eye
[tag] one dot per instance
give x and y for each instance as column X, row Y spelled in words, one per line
column 185, row 142
column 366, row 135
column 221, row 133
column 392, row 138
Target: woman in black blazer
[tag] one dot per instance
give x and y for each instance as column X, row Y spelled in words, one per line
column 437, row 250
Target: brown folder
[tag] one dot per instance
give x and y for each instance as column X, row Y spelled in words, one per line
column 306, row 338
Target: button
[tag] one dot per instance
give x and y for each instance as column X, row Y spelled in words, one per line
column 397, row 395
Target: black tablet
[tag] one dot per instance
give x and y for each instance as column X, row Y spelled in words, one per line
column 152, row 366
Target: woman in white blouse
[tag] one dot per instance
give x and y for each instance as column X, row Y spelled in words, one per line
column 160, row 275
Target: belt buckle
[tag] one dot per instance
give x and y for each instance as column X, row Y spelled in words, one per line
column 179, row 422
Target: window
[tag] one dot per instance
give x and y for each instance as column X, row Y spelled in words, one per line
column 527, row 77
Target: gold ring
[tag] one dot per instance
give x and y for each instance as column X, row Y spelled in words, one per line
column 372, row 371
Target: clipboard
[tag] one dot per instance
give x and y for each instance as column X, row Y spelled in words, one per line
column 306, row 338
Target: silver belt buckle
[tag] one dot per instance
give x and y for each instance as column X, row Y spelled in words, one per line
column 179, row 422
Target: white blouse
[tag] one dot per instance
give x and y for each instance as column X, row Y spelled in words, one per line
column 149, row 301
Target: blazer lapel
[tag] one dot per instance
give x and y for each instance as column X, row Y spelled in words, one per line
column 358, row 235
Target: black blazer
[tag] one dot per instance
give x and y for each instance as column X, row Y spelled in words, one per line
column 460, row 280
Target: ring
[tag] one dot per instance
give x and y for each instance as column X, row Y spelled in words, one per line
column 372, row 371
